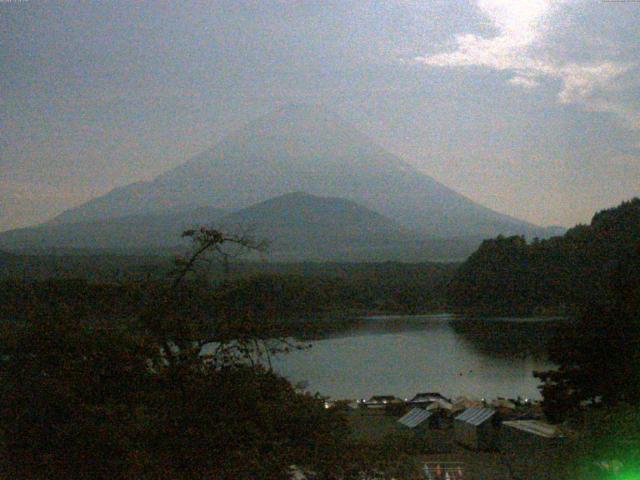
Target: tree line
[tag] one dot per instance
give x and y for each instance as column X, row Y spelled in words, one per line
column 295, row 291
column 86, row 395
column 508, row 275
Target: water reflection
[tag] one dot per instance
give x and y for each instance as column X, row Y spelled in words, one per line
column 404, row 355
column 391, row 324
column 511, row 338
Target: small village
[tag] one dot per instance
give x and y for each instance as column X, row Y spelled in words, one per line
column 463, row 438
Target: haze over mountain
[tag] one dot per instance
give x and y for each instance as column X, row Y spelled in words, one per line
column 297, row 226
column 130, row 232
column 305, row 148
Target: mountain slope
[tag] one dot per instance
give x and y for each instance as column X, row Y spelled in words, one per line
column 133, row 232
column 302, row 148
column 299, row 225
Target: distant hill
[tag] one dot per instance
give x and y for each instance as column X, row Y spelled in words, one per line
column 305, row 148
column 298, row 226
column 508, row 275
column 133, row 232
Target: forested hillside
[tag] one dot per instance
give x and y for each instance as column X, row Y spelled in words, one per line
column 510, row 276
column 295, row 291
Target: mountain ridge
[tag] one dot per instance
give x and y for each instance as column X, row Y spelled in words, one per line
column 303, row 148
column 298, row 226
column 150, row 230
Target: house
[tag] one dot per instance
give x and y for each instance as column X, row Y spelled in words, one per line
column 381, row 401
column 503, row 403
column 442, row 413
column 475, row 428
column 462, row 403
column 418, row 420
column 529, row 435
column 441, row 405
column 533, row 449
column 426, row 398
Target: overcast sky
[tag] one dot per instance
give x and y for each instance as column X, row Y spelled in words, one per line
column 528, row 107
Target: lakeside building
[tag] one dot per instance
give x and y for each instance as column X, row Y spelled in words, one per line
column 532, row 448
column 426, row 398
column 418, row 420
column 462, row 403
column 475, row 428
column 503, row 403
column 441, row 405
column 529, row 435
column 381, row 401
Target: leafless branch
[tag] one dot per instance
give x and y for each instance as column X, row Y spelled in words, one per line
column 212, row 240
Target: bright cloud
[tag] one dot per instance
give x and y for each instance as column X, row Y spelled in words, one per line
column 520, row 25
column 519, row 47
column 524, row 81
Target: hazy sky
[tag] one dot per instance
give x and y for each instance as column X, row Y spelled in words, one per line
column 528, row 107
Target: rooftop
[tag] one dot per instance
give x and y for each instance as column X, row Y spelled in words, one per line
column 476, row 416
column 535, row 427
column 415, row 417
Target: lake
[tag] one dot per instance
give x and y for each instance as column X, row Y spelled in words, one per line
column 403, row 355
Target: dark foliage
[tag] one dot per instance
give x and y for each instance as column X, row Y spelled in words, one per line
column 599, row 353
column 80, row 400
column 88, row 397
column 558, row 275
column 296, row 291
column 70, row 397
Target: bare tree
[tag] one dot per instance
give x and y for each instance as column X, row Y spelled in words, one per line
column 191, row 328
column 208, row 241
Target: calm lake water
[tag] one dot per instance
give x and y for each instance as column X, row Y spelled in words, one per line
column 402, row 355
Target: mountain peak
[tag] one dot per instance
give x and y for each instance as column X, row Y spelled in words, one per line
column 297, row 120
column 306, row 148
column 296, row 111
column 301, row 109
